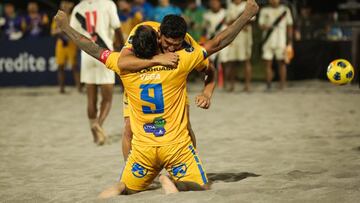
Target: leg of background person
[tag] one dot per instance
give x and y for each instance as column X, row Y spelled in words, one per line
column 282, row 74
column 225, row 68
column 61, row 78
column 91, row 91
column 76, row 76
column 232, row 75
column 126, row 138
column 269, row 73
column 105, row 106
column 247, row 75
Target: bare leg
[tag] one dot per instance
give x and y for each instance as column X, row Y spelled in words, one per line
column 61, row 78
column 282, row 74
column 232, row 75
column 96, row 130
column 269, row 73
column 106, row 94
column 126, row 138
column 225, row 67
column 113, row 191
column 76, row 76
column 167, row 185
column 91, row 90
column 247, row 74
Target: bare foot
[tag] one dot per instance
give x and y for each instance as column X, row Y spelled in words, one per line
column 98, row 134
column 112, row 191
column 246, row 89
column 93, row 131
column 167, row 185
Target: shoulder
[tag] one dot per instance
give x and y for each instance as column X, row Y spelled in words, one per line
column 79, row 6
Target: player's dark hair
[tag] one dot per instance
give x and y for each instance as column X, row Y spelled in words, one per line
column 145, row 42
column 173, row 26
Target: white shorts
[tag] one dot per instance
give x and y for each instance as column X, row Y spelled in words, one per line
column 239, row 50
column 94, row 72
column 269, row 53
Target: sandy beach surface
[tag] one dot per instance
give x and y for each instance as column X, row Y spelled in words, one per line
column 297, row 145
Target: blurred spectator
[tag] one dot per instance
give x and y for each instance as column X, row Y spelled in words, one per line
column 11, row 23
column 144, row 7
column 276, row 22
column 164, row 8
column 65, row 50
column 215, row 19
column 352, row 8
column 240, row 50
column 129, row 16
column 305, row 27
column 194, row 16
column 36, row 23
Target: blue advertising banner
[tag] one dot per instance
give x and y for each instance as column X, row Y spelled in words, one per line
column 29, row 62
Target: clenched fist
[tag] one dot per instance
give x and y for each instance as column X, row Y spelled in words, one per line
column 61, row 19
column 202, row 101
column 251, row 8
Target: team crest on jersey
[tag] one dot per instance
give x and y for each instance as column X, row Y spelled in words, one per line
column 156, row 127
column 179, row 171
column 138, row 170
column 188, row 47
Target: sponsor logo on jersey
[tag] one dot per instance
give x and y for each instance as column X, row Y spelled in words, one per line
column 156, row 127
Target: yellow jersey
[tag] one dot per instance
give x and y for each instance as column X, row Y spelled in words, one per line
column 157, row 97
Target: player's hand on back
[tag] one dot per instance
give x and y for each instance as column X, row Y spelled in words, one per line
column 170, row 59
column 61, row 19
column 202, row 101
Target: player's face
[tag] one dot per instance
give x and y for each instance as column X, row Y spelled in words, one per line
column 170, row 44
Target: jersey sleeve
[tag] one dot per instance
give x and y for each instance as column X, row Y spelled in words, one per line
column 201, row 62
column 110, row 59
column 203, row 65
column 114, row 18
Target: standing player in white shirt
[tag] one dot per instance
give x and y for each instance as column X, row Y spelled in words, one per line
column 280, row 37
column 240, row 50
column 215, row 19
column 97, row 20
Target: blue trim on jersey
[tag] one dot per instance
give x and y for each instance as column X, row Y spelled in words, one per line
column 204, row 179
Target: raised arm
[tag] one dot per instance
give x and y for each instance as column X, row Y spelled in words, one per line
column 80, row 40
column 130, row 62
column 225, row 37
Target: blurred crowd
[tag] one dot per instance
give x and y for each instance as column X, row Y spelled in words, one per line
column 278, row 24
column 33, row 22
